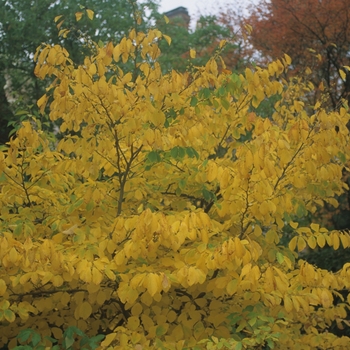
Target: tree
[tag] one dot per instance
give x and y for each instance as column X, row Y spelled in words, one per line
column 26, row 24
column 315, row 34
column 204, row 39
column 134, row 225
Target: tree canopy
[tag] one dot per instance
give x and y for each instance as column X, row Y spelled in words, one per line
column 315, row 34
column 27, row 24
column 166, row 215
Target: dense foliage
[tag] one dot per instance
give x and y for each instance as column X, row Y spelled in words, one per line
column 166, row 215
column 316, row 36
column 24, row 25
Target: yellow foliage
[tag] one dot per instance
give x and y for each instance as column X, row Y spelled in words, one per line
column 134, row 224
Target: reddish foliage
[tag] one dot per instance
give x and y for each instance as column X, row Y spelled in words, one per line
column 303, row 29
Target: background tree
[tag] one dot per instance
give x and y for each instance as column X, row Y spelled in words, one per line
column 315, row 34
column 26, row 24
column 204, row 39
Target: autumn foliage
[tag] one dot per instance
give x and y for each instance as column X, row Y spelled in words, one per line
column 165, row 215
column 316, row 36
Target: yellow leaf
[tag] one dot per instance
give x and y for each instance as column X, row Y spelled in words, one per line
column 70, row 230
column 326, row 298
column 240, row 250
column 315, row 227
column 3, row 287
column 295, row 303
column 293, row 243
column 108, row 339
column 78, row 16
column 311, row 241
column 287, row 303
column 116, row 53
column 288, row 59
column 192, row 276
column 336, row 240
column 166, row 19
column 57, row 18
column 85, row 310
column 120, row 257
column 57, row 281
column 153, row 283
column 232, row 287
column 136, row 309
column 249, row 160
column 301, row 244
column 271, row 236
column 193, row 53
column 257, row 231
column 246, row 269
column 167, row 39
column 110, row 274
column 97, row 276
column 342, row 74
column 321, row 241
column 344, row 240
column 264, row 208
column 41, row 103
column 133, row 323
column 270, row 283
column 222, row 43
column 165, row 283
column 90, row 14
column 212, row 171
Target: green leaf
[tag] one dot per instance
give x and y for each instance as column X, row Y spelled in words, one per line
column 153, row 157
column 36, row 339
column 208, row 196
column 239, row 346
column 280, row 257
column 225, row 103
column 206, row 93
column 97, row 338
column 160, row 330
column 194, row 101
column 342, row 157
column 9, row 315
column 90, row 206
column 221, row 91
column 174, row 152
column 75, row 205
column 182, row 184
column 19, row 229
column 68, row 342
column 270, row 343
column 21, row 112
column 301, row 211
column 24, row 335
column 190, row 152
column 182, row 152
column 51, row 340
